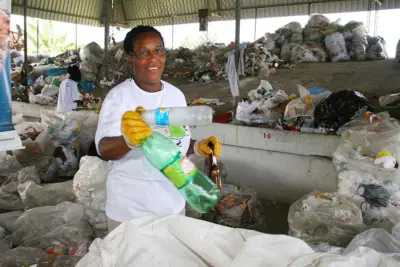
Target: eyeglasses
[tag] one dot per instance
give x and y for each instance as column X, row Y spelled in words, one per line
column 144, row 54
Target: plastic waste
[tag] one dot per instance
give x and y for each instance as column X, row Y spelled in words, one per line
column 38, row 150
column 7, row 219
column 336, row 47
column 325, row 218
column 38, row 227
column 340, row 108
column 21, row 256
column 238, row 208
column 316, row 90
column 389, row 100
column 9, row 197
column 326, row 248
column 5, row 244
column 89, row 187
column 304, row 105
column 189, row 116
column 34, row 195
column 199, row 191
column 64, row 130
column 52, row 260
column 9, row 165
column 376, row 48
column 377, row 239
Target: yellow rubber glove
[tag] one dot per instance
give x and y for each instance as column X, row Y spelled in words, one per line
column 134, row 129
column 203, row 147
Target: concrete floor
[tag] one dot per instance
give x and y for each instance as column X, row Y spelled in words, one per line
column 377, row 77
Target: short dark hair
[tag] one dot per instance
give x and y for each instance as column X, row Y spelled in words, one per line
column 74, row 73
column 134, row 34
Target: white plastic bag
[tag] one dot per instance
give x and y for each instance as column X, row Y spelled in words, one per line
column 183, row 241
column 50, row 90
column 42, row 99
column 39, row 149
column 64, row 130
column 302, row 54
column 89, row 187
column 336, row 47
column 304, row 106
column 92, row 53
column 388, row 99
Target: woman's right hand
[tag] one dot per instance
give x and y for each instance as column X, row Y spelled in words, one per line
column 134, row 129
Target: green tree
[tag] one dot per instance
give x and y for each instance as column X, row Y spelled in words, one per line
column 50, row 41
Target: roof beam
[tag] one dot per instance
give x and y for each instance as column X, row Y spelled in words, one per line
column 124, row 10
column 234, row 9
column 55, row 12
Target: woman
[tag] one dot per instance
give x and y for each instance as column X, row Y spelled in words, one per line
column 69, row 97
column 134, row 187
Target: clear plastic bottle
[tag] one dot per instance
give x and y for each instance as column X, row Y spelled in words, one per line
column 198, row 190
column 188, row 116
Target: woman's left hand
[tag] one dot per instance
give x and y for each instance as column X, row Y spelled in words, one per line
column 208, row 146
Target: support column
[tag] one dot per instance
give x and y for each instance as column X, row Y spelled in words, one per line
column 106, row 33
column 26, row 43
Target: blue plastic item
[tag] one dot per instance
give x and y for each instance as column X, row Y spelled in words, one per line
column 57, row 71
column 316, row 90
column 86, row 86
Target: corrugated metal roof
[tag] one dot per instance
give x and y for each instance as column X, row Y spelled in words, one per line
column 166, row 12
column 185, row 11
column 86, row 12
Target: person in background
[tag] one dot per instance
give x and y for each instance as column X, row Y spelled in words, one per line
column 134, row 187
column 69, row 97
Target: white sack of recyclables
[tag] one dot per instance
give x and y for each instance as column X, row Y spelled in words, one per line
column 176, row 240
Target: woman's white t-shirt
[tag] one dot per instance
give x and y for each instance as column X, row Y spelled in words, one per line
column 134, row 187
column 67, row 95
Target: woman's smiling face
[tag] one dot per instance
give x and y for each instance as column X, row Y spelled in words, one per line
column 148, row 59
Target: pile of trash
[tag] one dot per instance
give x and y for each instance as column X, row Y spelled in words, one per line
column 314, row 110
column 237, row 208
column 47, row 74
column 368, row 194
column 322, row 40
column 51, row 208
column 319, row 41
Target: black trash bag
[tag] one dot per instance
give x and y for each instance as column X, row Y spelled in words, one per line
column 340, row 108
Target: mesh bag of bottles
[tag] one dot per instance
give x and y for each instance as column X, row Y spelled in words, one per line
column 325, row 218
column 64, row 130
